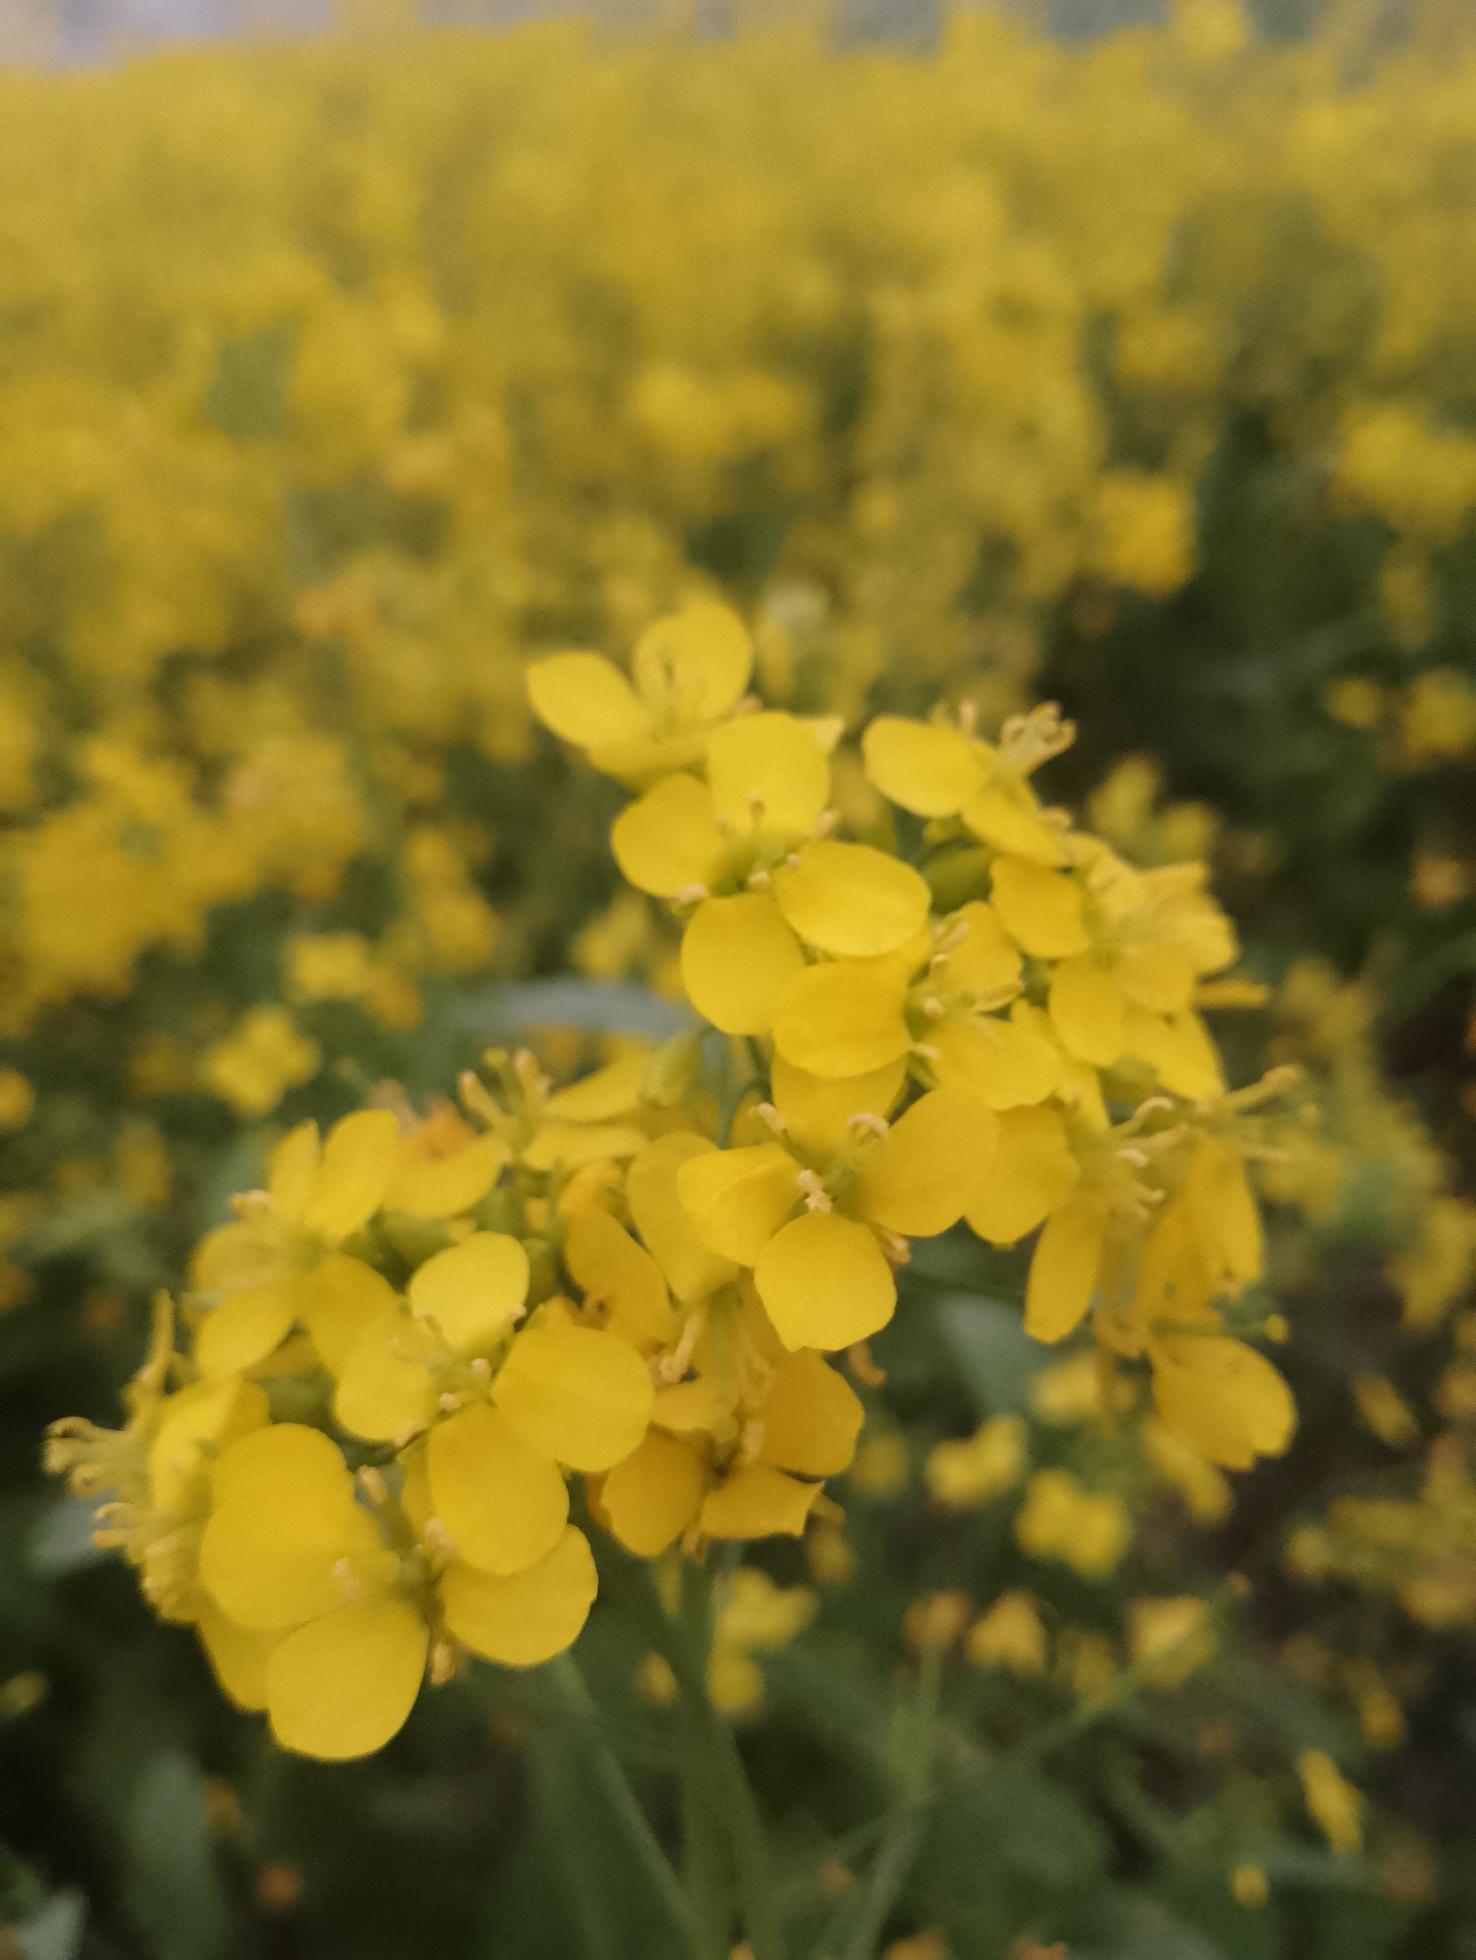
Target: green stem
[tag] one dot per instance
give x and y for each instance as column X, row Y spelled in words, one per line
column 762, row 1923
column 624, row 1806
column 906, row 1820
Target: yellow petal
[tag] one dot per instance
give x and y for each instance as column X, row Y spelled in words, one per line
column 571, row 1145
column 337, row 1303
column 1041, row 910
column 919, row 1177
column 1032, row 1174
column 1011, row 823
column 737, row 956
column 693, row 1407
column 824, row 1282
column 844, row 1018
column 1063, row 1271
column 738, row 1199
column 442, row 1186
column 1222, row 1398
column 193, row 1424
column 473, row 1292
column 769, row 776
column 504, row 1506
column 529, row 1617
column 758, row 1501
column 982, row 959
column 358, row 1162
column 1086, row 1010
column 292, row 1170
column 286, row 1541
column 818, row 1110
column 608, row 1266
column 246, row 1253
column 1180, row 1050
column 244, row 1329
column 654, row 1494
column 614, row 1090
column 694, row 665
column 1005, row 1062
column 851, row 899
column 586, row 700
column 385, row 1390
column 1222, row 1206
column 811, row 1418
column 668, row 840
column 921, row 766
column 343, row 1686
column 692, row 1270
column 1156, row 977
column 576, row 1394
column 238, row 1658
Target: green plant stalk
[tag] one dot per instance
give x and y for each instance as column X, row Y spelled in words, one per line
column 906, row 1819
column 624, row 1806
column 721, row 1768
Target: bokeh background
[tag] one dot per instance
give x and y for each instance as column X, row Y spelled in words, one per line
column 1119, row 356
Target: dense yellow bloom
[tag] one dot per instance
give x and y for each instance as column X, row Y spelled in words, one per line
column 266, row 1055
column 1062, row 1519
column 1334, row 1804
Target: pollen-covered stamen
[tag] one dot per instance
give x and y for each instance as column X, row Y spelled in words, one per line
column 373, row 1485
column 866, row 1122
column 933, row 1008
column 1028, row 740
column 896, row 1248
column 348, row 1582
column 759, row 879
column 824, row 824
column 751, row 1440
column 925, row 1051
column 445, row 1662
column 675, row 1364
column 437, row 1538
column 813, row 1191
column 768, row 1114
column 968, row 718
column 692, row 894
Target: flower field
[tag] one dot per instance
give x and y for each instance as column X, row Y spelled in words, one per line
column 738, row 995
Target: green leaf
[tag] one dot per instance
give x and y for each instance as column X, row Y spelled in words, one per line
column 598, row 1006
column 55, row 1932
column 174, row 1886
column 994, row 1355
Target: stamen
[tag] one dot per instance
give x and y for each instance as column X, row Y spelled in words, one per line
column 815, row 1195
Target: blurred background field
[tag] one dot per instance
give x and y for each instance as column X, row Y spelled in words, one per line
column 1130, row 369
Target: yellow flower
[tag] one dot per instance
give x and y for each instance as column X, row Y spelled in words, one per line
column 722, row 1465
column 1334, row 1804
column 1173, row 1638
column 940, row 772
column 963, row 1475
column 1061, row 1519
column 272, row 1266
column 17, row 1100
column 821, row 1212
column 346, row 1598
column 265, row 1056
column 690, row 672
column 1010, row 1635
column 747, row 849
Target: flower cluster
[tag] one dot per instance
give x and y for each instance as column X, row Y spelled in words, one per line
column 355, row 1466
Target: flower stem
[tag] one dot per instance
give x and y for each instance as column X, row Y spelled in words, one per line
column 624, row 1806
column 906, row 1819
